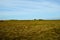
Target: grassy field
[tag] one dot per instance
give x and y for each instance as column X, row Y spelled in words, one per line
column 30, row 30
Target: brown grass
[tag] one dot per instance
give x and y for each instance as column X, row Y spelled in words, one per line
column 30, row 30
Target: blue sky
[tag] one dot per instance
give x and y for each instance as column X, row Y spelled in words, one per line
column 29, row 9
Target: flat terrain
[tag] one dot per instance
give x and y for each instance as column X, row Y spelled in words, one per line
column 30, row 30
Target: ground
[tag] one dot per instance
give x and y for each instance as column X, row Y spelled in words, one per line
column 30, row 30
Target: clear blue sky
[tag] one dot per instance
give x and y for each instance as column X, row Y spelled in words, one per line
column 29, row 9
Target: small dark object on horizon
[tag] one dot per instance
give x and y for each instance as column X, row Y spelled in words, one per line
column 38, row 19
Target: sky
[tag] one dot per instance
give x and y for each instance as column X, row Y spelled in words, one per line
column 29, row 9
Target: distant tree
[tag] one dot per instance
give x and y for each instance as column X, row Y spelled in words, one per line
column 40, row 19
column 35, row 19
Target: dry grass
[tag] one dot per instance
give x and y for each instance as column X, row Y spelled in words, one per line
column 30, row 30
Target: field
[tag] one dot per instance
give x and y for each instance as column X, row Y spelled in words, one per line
column 30, row 30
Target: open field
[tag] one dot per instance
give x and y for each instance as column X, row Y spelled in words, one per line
column 30, row 30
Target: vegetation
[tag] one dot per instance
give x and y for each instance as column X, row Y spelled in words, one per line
column 39, row 19
column 30, row 30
